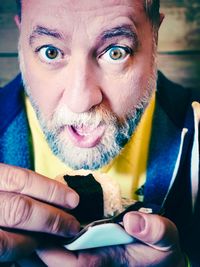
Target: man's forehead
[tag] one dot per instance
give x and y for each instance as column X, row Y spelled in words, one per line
column 62, row 12
column 82, row 5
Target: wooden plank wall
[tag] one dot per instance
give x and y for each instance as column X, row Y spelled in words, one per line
column 179, row 41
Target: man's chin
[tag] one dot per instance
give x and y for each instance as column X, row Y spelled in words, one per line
column 91, row 158
column 90, row 151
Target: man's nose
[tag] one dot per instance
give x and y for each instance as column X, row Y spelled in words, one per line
column 82, row 91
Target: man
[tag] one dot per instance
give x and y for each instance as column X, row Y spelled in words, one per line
column 89, row 74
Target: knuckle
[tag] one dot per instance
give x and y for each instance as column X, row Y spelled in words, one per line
column 15, row 210
column 14, row 179
column 56, row 193
column 54, row 223
column 52, row 191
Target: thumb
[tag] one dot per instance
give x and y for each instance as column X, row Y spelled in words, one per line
column 156, row 231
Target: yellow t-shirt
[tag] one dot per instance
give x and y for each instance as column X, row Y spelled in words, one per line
column 128, row 168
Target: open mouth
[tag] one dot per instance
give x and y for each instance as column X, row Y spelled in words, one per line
column 85, row 136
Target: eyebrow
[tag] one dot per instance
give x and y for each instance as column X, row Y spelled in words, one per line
column 43, row 31
column 120, row 31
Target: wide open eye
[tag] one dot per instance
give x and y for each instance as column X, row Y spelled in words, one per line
column 116, row 54
column 49, row 54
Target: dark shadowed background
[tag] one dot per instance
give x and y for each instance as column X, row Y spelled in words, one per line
column 179, row 41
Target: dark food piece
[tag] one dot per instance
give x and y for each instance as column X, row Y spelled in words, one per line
column 91, row 205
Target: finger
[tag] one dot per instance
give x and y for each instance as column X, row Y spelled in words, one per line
column 101, row 257
column 58, row 257
column 153, row 230
column 21, row 212
column 24, row 181
column 14, row 246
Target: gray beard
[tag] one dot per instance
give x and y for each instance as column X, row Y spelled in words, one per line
column 115, row 138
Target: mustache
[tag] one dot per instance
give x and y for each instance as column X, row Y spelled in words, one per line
column 62, row 116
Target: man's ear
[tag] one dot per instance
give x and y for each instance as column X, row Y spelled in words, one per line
column 17, row 21
column 162, row 16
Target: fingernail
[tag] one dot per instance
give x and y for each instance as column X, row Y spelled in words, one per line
column 135, row 222
column 72, row 199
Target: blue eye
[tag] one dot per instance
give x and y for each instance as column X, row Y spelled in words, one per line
column 49, row 53
column 116, row 54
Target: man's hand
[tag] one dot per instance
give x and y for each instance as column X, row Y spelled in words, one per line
column 29, row 201
column 158, row 247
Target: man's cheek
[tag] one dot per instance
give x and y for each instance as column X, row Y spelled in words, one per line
column 125, row 100
column 44, row 95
